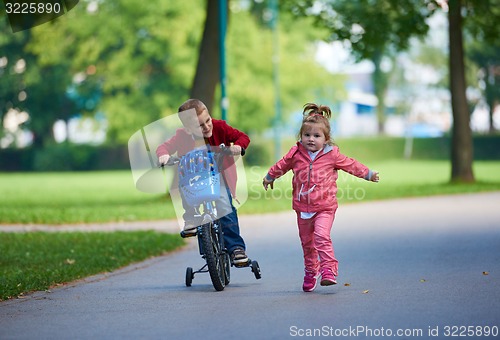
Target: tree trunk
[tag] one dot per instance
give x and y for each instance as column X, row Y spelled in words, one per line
column 208, row 69
column 380, row 88
column 490, row 79
column 461, row 140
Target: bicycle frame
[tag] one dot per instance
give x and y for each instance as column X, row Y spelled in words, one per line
column 203, row 195
column 209, row 217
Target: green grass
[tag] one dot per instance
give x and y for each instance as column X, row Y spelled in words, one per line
column 37, row 261
column 108, row 196
column 398, row 178
column 81, row 197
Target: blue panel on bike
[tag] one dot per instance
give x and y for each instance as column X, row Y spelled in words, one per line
column 199, row 177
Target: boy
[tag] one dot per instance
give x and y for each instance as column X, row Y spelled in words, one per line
column 201, row 129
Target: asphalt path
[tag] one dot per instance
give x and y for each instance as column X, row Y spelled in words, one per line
column 409, row 268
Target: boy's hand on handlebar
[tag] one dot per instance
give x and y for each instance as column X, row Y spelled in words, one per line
column 163, row 159
column 235, row 150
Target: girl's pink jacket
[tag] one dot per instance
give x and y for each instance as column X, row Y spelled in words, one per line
column 315, row 182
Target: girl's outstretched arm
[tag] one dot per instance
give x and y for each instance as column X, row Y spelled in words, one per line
column 279, row 169
column 373, row 176
column 268, row 181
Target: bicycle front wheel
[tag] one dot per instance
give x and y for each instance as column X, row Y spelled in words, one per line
column 214, row 256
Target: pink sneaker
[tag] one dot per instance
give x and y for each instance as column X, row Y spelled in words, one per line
column 327, row 278
column 310, row 281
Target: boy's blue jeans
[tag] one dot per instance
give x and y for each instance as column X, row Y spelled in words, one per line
column 229, row 222
column 231, row 229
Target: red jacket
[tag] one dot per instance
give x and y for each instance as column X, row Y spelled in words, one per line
column 182, row 142
column 314, row 182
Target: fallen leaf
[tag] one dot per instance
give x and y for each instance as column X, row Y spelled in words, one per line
column 486, row 273
column 366, row 291
column 347, row 284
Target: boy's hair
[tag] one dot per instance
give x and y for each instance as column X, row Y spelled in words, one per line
column 317, row 114
column 195, row 104
column 185, row 111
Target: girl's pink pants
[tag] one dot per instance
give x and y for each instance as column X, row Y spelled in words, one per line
column 316, row 242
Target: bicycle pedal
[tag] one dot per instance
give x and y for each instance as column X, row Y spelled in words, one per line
column 241, row 265
column 185, row 234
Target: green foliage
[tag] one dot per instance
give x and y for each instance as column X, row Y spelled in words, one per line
column 140, row 61
column 251, row 89
column 65, row 157
column 257, row 154
column 141, row 57
column 486, row 57
column 478, row 16
column 374, row 30
column 15, row 160
column 37, row 261
column 26, row 85
column 374, row 149
column 369, row 26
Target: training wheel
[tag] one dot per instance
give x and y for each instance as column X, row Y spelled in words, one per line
column 227, row 269
column 256, row 269
column 189, row 276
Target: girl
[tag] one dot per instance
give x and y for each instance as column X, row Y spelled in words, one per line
column 315, row 161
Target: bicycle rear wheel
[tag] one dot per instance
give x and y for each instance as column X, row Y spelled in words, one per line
column 214, row 256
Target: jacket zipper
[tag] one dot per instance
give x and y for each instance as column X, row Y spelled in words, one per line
column 309, row 178
column 309, row 182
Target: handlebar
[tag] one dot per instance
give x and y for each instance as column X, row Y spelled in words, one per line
column 223, row 149
column 173, row 160
column 226, row 150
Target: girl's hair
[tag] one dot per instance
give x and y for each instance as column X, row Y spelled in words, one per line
column 317, row 114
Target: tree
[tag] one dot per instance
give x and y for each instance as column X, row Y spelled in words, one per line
column 27, row 85
column 392, row 23
column 483, row 48
column 140, row 57
column 144, row 61
column 208, row 67
column 478, row 17
column 487, row 58
column 249, row 65
column 373, row 29
column 11, row 78
column 250, row 69
column 461, row 143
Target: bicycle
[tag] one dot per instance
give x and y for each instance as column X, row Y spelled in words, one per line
column 199, row 183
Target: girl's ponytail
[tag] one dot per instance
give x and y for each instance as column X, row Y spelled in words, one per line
column 314, row 109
